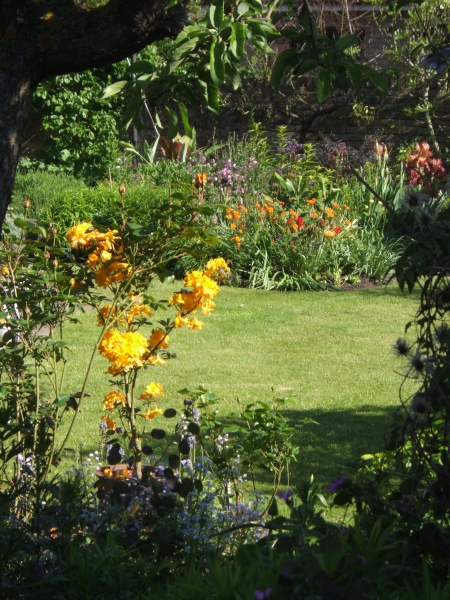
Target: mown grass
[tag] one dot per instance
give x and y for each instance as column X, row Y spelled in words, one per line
column 332, row 350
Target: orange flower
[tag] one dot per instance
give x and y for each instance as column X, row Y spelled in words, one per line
column 347, row 222
column 346, row 207
column 314, row 215
column 330, row 234
column 311, row 201
column 159, row 338
column 336, row 205
column 236, row 214
column 232, row 225
column 330, row 213
column 110, row 424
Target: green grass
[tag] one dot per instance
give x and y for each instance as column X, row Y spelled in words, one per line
column 332, row 350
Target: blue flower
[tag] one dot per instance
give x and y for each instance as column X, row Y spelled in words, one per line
column 285, row 495
column 262, row 595
column 337, row 483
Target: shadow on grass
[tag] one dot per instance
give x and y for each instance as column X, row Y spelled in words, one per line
column 339, row 437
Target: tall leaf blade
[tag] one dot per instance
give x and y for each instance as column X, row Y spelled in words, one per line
column 216, row 13
column 323, row 85
column 216, row 64
column 284, row 60
column 237, row 40
column 172, row 128
column 185, row 119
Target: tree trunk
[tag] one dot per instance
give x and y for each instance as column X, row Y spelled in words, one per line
column 15, row 101
column 53, row 37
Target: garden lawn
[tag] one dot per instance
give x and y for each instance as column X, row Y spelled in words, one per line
column 331, row 350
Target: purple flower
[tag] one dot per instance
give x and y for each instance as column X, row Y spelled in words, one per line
column 262, row 595
column 337, row 483
column 118, row 429
column 187, row 402
column 58, row 570
column 285, row 495
column 214, row 218
column 361, row 559
column 39, row 565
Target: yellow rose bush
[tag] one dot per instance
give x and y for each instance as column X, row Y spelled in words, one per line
column 129, row 341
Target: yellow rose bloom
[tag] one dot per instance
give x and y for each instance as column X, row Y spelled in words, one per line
column 110, row 424
column 138, row 311
column 159, row 339
column 115, row 272
column 152, row 390
column 125, row 351
column 151, row 414
column 112, row 399
column 79, row 236
column 195, row 324
column 156, row 360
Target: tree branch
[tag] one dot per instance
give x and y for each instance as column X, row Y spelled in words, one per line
column 62, row 36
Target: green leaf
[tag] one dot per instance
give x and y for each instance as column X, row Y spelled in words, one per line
column 173, row 3
column 113, row 89
column 216, row 13
column 375, row 77
column 172, row 128
column 323, row 85
column 232, row 74
column 180, row 53
column 140, row 66
column 185, row 119
column 346, row 41
column 216, row 64
column 286, row 59
column 355, row 74
column 237, row 40
column 273, row 508
column 211, row 95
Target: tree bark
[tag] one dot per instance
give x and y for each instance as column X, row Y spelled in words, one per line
column 54, row 37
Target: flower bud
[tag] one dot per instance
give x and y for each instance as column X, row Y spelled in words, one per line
column 122, row 189
column 46, row 255
column 55, row 262
column 27, row 203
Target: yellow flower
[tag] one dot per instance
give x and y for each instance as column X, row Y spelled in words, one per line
column 208, row 307
column 5, row 271
column 152, row 390
column 112, row 398
column 195, row 324
column 151, row 414
column 156, row 360
column 125, row 350
column 110, row 424
column 330, row 234
column 138, row 310
column 92, row 260
column 81, row 235
column 159, row 339
column 104, row 313
column 180, row 321
column 115, row 272
column 217, row 267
